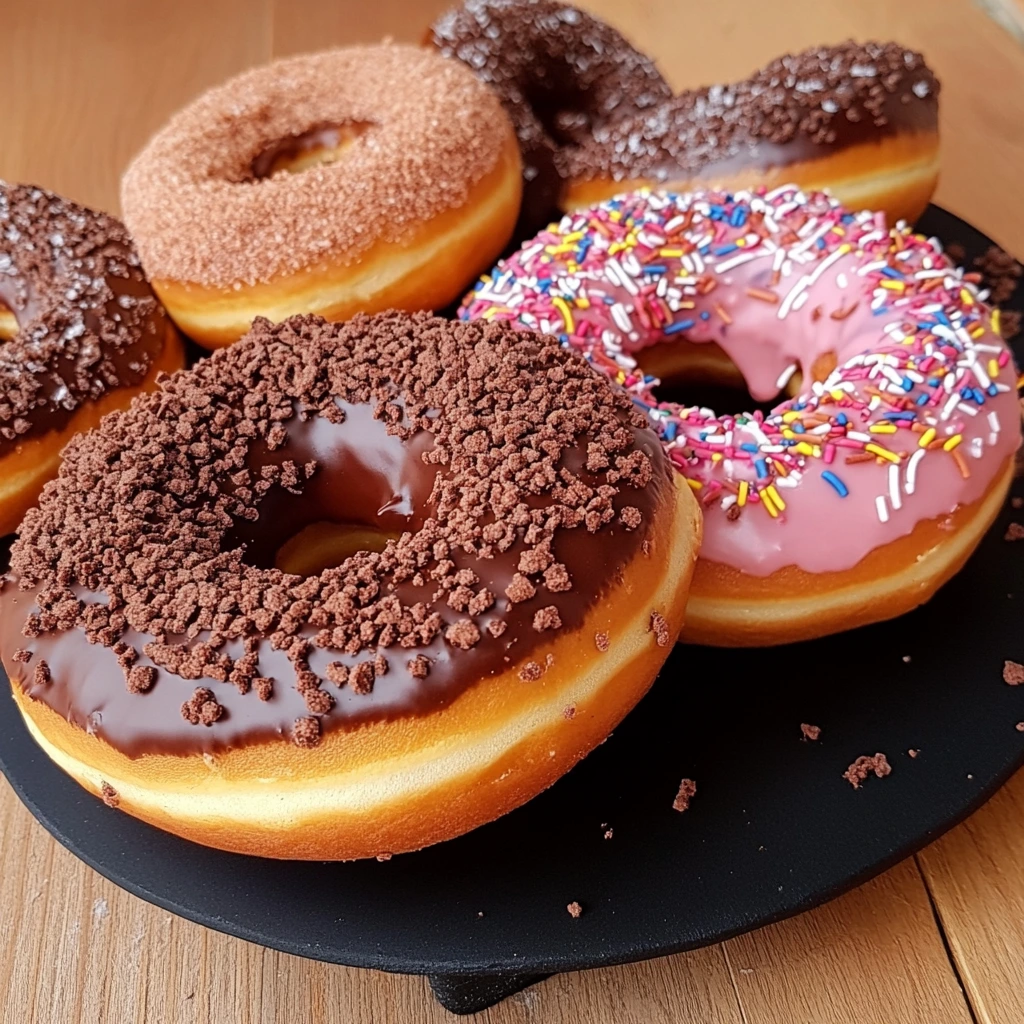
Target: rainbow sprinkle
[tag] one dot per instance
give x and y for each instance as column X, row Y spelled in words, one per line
column 641, row 269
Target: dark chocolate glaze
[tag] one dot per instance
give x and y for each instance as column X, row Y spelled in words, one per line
column 88, row 321
column 364, row 475
column 586, row 105
column 559, row 72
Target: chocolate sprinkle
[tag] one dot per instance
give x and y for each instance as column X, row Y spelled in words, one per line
column 88, row 322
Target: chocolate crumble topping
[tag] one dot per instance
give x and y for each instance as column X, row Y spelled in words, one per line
column 155, row 546
column 1013, row 673
column 809, row 732
column 659, row 627
column 109, row 794
column 864, row 766
column 687, row 791
column 574, row 909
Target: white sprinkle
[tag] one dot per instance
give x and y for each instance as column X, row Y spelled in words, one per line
column 621, row 318
column 951, row 404
column 911, row 481
column 894, row 486
column 786, row 376
column 993, row 422
column 969, row 410
column 738, row 261
column 794, row 292
column 883, row 512
column 868, row 267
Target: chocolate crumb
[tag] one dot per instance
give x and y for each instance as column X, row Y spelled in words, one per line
column 1001, row 272
column 687, row 791
column 1017, row 502
column 531, row 672
column 913, row 752
column 202, row 707
column 383, row 857
column 630, row 517
column 608, row 833
column 864, row 766
column 574, row 909
column 733, row 513
column 810, row 732
column 41, row 675
column 1013, row 673
column 547, row 618
column 140, row 678
column 658, row 626
column 1019, row 727
column 306, row 732
column 109, row 794
column 1014, row 532
column 419, row 667
column 569, row 712
column 602, row 641
column 1009, row 323
column 22, row 656
column 264, row 687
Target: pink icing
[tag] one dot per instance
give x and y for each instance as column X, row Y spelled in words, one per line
column 922, row 374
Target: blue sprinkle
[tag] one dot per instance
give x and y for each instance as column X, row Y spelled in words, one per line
column 724, row 250
column 992, row 390
column 848, row 218
column 655, row 268
column 762, row 469
column 966, row 393
column 841, row 418
column 933, row 382
column 979, row 397
column 608, row 300
column 898, row 416
column 648, row 378
column 642, row 405
column 679, row 325
column 837, row 485
column 564, row 339
column 798, row 428
column 748, row 447
column 704, row 249
column 820, row 243
column 739, row 217
column 891, row 272
column 705, row 315
column 670, row 431
column 478, row 286
column 943, row 319
column 922, row 399
column 908, row 384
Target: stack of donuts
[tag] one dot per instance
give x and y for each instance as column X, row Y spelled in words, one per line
column 366, row 577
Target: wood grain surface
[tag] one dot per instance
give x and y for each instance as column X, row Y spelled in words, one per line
column 937, row 940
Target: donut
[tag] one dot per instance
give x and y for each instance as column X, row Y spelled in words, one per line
column 351, row 180
column 82, row 334
column 852, row 501
column 495, row 555
column 860, row 120
column 559, row 72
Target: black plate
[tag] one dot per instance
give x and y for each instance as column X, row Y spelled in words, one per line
column 773, row 830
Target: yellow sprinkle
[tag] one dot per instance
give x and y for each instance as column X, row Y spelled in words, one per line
column 670, row 252
column 893, row 286
column 995, row 321
column 837, row 395
column 741, row 498
column 882, row 428
column 563, row 307
column 574, row 236
column 926, row 438
column 952, row 442
column 615, row 215
column 582, row 302
column 695, row 484
column 837, row 230
column 620, row 378
column 741, row 243
column 615, row 248
column 803, row 448
column 882, row 453
column 767, row 502
column 993, row 369
column 491, row 313
column 977, row 332
column 787, row 434
column 571, row 268
column 789, row 417
column 716, row 456
column 966, row 298
column 776, row 497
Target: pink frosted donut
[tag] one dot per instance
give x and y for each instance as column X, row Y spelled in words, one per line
column 852, row 501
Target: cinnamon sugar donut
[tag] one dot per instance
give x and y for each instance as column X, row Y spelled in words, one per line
column 82, row 334
column 533, row 552
column 354, row 179
column 595, row 118
column 849, row 503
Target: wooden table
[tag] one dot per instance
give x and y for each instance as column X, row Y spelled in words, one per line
column 939, row 939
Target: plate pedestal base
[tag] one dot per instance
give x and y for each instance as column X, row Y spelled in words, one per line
column 471, row 993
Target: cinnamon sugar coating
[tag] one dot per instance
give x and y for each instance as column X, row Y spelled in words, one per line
column 140, row 546
column 200, row 215
column 87, row 320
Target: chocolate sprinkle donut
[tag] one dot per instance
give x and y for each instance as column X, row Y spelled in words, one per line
column 824, row 97
column 514, row 482
column 88, row 322
column 559, row 72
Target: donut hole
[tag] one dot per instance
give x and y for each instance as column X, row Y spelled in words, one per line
column 321, row 144
column 367, row 487
column 8, row 324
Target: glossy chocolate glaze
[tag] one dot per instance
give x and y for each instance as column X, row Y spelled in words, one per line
column 365, row 476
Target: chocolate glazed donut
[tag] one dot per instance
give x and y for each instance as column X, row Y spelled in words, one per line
column 559, row 73
column 596, row 119
column 81, row 329
column 181, row 643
